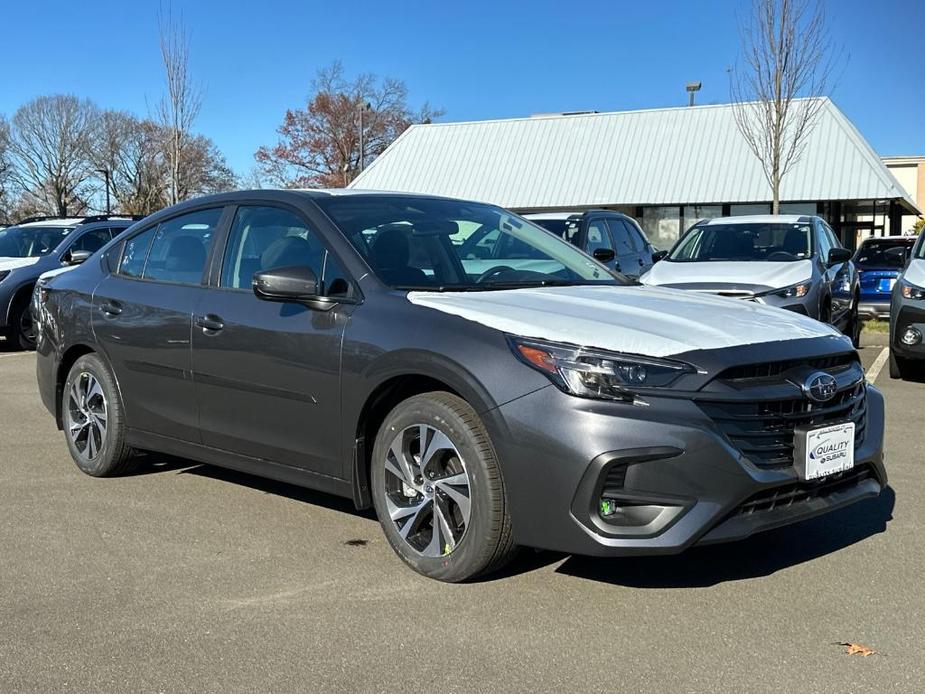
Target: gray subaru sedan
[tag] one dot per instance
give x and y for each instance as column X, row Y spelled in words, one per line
column 344, row 341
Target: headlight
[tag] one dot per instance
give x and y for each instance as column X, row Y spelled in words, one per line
column 794, row 291
column 590, row 373
column 911, row 291
column 4, row 274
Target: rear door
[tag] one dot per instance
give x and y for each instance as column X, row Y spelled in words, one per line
column 142, row 318
column 267, row 373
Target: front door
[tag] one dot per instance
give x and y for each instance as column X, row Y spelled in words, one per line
column 142, row 317
column 267, row 374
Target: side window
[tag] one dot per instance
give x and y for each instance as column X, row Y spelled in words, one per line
column 833, row 238
column 263, row 238
column 823, row 242
column 638, row 238
column 92, row 240
column 180, row 247
column 621, row 238
column 598, row 236
column 135, row 253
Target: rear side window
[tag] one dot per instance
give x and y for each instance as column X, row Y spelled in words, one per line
column 174, row 251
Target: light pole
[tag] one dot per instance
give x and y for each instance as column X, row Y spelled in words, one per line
column 366, row 107
column 105, row 173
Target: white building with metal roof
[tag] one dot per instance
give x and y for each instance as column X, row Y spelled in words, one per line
column 666, row 167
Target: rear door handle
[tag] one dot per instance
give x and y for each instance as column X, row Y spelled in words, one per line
column 210, row 323
column 111, row 308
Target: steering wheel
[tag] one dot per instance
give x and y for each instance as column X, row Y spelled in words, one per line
column 491, row 272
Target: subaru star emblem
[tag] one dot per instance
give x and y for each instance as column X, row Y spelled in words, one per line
column 820, row 386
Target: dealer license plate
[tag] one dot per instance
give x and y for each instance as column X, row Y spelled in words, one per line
column 887, row 285
column 822, row 451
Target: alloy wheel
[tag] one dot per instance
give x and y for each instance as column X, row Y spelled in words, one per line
column 427, row 490
column 87, row 415
column 27, row 326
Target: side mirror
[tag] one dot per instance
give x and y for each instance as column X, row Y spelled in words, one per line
column 839, row 255
column 604, row 255
column 294, row 284
column 896, row 256
column 659, row 255
column 76, row 257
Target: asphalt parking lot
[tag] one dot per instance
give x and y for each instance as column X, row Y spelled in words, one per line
column 191, row 578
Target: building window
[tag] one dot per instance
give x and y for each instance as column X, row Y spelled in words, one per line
column 742, row 210
column 694, row 213
column 807, row 208
column 662, row 225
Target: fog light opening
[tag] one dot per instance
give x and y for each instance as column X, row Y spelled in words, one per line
column 912, row 336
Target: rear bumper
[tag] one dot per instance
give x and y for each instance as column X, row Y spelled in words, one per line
column 683, row 482
column 874, row 309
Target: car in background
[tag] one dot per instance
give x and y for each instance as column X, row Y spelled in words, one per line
column 794, row 262
column 613, row 239
column 38, row 245
column 344, row 340
column 878, row 271
column 907, row 312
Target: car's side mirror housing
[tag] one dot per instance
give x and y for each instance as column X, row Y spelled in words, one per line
column 603, row 255
column 838, row 255
column 896, row 256
column 659, row 255
column 76, row 257
column 297, row 284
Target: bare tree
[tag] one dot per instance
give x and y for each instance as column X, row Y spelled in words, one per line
column 50, row 141
column 786, row 57
column 180, row 106
column 319, row 145
column 6, row 171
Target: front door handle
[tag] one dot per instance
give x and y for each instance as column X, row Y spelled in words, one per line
column 210, row 323
column 111, row 308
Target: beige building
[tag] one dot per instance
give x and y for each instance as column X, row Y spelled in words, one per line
column 910, row 172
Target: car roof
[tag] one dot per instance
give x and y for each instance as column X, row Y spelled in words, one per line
column 569, row 215
column 890, row 239
column 760, row 219
column 62, row 222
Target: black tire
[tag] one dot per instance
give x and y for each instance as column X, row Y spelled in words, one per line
column 104, row 452
column 486, row 544
column 825, row 313
column 906, row 369
column 853, row 328
column 22, row 327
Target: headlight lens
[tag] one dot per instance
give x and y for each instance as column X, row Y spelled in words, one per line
column 910, row 291
column 592, row 373
column 4, row 274
column 794, row 291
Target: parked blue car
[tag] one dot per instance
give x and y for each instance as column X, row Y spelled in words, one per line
column 879, row 273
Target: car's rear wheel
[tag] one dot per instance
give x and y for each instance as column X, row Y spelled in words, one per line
column 438, row 490
column 22, row 327
column 94, row 423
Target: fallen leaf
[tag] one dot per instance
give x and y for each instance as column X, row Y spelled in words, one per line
column 856, row 649
column 356, row 543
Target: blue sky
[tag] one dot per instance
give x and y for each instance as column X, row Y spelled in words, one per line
column 475, row 59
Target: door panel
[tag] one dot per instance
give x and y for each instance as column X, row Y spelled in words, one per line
column 268, row 373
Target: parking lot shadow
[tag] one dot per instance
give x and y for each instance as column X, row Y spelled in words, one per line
column 761, row 555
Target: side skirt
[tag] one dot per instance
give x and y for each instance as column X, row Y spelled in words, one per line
column 235, row 461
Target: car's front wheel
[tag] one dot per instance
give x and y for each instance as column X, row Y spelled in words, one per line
column 22, row 326
column 94, row 423
column 438, row 489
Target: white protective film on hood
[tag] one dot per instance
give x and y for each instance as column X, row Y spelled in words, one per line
column 13, row 263
column 770, row 275
column 633, row 320
column 915, row 273
column 57, row 271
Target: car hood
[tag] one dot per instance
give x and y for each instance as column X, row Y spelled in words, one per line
column 634, row 320
column 915, row 272
column 57, row 271
column 758, row 276
column 13, row 263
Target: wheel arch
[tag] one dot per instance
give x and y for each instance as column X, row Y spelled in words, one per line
column 22, row 291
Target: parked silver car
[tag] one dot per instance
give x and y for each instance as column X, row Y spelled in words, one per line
column 793, row 262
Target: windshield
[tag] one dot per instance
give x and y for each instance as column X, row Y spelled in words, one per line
column 772, row 242
column 871, row 253
column 445, row 245
column 920, row 248
column 30, row 242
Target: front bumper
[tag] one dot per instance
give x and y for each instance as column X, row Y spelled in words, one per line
column 907, row 313
column 556, row 450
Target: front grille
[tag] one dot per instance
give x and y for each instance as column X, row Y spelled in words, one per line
column 832, row 364
column 763, row 430
column 800, row 492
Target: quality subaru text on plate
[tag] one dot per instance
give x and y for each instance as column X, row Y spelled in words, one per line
column 341, row 340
